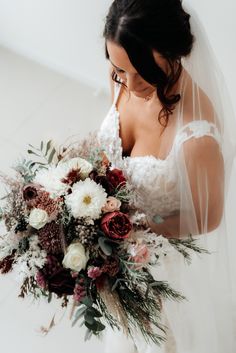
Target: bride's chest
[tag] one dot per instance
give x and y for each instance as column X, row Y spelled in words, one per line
column 141, row 133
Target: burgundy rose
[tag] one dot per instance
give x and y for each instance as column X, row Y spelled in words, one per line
column 57, row 279
column 116, row 178
column 116, row 225
column 102, row 180
column 61, row 282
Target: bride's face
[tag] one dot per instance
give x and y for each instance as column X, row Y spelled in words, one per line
column 135, row 83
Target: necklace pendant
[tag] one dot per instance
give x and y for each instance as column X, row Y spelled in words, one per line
column 147, row 98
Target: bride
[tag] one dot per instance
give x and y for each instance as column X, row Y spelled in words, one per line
column 171, row 130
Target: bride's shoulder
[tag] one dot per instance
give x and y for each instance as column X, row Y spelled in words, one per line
column 199, row 130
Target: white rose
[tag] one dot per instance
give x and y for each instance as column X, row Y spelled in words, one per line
column 38, row 218
column 75, row 257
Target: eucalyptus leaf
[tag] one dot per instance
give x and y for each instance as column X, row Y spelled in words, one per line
column 89, row 318
column 50, row 158
column 94, row 312
column 48, row 147
column 100, row 233
column 41, row 145
column 96, row 326
column 106, row 248
column 79, row 313
column 88, row 334
column 87, row 301
column 32, row 152
column 33, row 147
column 49, row 297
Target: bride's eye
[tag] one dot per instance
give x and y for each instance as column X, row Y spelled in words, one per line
column 119, row 71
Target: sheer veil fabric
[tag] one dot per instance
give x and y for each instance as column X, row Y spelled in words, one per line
column 205, row 322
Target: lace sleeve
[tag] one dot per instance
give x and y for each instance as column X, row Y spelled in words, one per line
column 196, row 129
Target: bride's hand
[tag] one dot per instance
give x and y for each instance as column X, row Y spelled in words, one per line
column 167, row 227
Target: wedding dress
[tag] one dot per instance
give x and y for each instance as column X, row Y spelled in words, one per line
column 191, row 326
column 178, row 186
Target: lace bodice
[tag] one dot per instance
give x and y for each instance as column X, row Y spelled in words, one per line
column 154, row 180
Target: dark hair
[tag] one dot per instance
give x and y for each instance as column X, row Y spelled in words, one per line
column 141, row 26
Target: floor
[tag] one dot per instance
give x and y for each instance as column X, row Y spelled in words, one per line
column 37, row 104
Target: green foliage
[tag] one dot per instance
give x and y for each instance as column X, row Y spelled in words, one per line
column 183, row 246
column 105, row 245
column 91, row 317
column 46, row 152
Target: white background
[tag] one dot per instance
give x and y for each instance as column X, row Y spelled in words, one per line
column 62, row 90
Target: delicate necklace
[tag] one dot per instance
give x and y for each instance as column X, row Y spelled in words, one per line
column 147, row 98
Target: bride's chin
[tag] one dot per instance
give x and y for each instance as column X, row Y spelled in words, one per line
column 141, row 94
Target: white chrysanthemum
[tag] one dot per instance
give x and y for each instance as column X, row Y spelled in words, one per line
column 51, row 179
column 79, row 164
column 87, row 199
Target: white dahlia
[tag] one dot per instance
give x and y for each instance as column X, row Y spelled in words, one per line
column 86, row 200
column 78, row 164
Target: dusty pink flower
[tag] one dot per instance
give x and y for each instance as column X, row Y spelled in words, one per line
column 51, row 206
column 94, row 272
column 79, row 292
column 112, row 204
column 140, row 254
column 36, row 197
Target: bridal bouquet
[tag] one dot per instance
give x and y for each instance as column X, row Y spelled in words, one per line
column 71, row 233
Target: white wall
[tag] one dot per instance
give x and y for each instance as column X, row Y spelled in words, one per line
column 67, row 34
column 64, row 34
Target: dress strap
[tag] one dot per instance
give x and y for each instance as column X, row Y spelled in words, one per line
column 196, row 129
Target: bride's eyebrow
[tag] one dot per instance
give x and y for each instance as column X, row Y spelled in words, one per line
column 116, row 66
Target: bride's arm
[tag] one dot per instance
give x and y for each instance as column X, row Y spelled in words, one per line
column 205, row 171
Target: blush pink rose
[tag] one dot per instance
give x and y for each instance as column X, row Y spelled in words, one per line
column 142, row 255
column 112, row 204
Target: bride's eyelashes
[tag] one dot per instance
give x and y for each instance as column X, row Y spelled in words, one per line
column 119, row 71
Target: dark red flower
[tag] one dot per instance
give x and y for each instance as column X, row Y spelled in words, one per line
column 57, row 279
column 72, row 177
column 50, row 238
column 102, row 180
column 30, row 192
column 111, row 266
column 61, row 282
column 116, row 225
column 7, row 263
column 116, row 178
